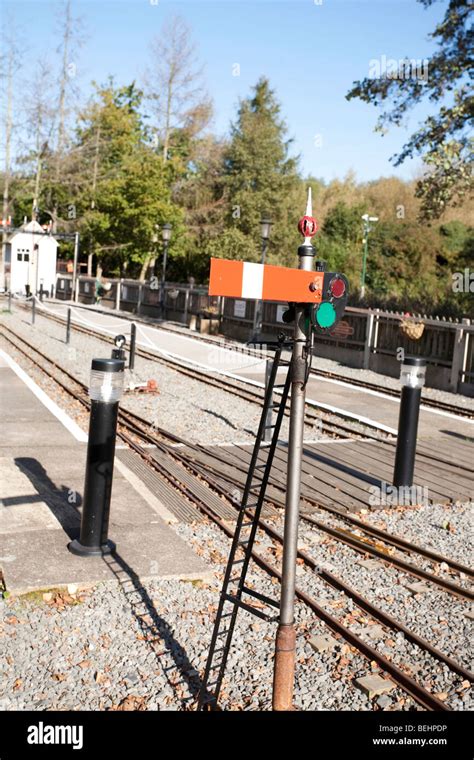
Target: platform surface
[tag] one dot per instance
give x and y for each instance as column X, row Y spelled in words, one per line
column 42, row 470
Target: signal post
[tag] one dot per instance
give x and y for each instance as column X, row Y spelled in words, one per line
column 317, row 300
column 283, row 677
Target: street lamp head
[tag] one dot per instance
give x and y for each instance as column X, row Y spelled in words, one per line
column 120, row 341
column 166, row 232
column 265, row 225
column 373, row 218
column 365, row 217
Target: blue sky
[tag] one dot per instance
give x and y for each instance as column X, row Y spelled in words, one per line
column 310, row 52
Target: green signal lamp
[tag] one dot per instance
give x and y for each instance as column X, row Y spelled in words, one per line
column 326, row 314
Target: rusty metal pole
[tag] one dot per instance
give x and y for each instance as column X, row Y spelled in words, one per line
column 284, row 667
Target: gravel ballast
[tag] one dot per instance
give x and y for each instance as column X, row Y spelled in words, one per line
column 117, row 645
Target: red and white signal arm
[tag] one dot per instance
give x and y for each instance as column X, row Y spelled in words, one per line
column 264, row 282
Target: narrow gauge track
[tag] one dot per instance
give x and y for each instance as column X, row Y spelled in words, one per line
column 328, row 374
column 323, row 421
column 377, row 542
column 136, row 425
column 132, row 430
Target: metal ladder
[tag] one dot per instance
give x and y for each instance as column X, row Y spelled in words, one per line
column 233, row 587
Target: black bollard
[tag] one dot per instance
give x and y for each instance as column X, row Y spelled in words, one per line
column 105, row 391
column 412, row 376
column 41, row 291
column 33, row 310
column 68, row 327
column 133, row 339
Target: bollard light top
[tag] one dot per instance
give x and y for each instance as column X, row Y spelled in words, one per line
column 108, row 365
column 414, row 361
column 413, row 371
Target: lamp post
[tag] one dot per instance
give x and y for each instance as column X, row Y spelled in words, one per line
column 105, row 392
column 367, row 228
column 75, row 266
column 165, row 236
column 412, row 376
column 265, row 226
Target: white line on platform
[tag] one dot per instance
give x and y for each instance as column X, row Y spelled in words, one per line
column 50, row 405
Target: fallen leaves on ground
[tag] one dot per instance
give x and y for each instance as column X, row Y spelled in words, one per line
column 58, row 677
column 61, row 599
column 101, row 678
column 130, row 703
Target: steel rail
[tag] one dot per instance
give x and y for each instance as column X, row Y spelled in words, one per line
column 393, row 539
column 421, row 695
column 356, row 544
column 364, row 547
column 408, row 684
column 389, row 538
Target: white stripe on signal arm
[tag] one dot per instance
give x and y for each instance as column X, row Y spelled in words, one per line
column 252, row 280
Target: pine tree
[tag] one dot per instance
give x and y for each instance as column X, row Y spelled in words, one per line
column 261, row 178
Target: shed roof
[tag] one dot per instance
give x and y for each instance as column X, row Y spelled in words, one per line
column 28, row 228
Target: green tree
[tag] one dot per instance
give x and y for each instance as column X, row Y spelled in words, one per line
column 443, row 139
column 126, row 193
column 261, row 178
column 340, row 241
column 200, row 191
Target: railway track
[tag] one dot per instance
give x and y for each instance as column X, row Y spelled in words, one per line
column 157, row 436
column 330, row 424
column 334, row 424
column 135, row 431
column 328, row 374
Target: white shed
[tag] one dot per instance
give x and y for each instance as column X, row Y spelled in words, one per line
column 30, row 260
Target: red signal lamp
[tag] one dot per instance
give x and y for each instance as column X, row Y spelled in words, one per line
column 337, row 286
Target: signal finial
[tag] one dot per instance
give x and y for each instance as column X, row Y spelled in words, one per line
column 308, row 225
